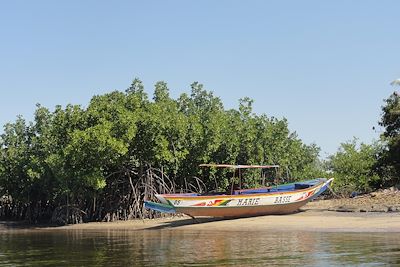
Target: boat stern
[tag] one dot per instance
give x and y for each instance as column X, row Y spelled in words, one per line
column 162, row 199
column 164, row 208
column 322, row 189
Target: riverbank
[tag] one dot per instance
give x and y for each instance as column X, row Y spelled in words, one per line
column 387, row 200
column 309, row 220
column 305, row 220
column 375, row 212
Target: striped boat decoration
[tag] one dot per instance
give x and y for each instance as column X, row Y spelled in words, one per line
column 213, row 203
column 306, row 195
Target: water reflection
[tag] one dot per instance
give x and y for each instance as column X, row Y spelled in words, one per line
column 201, row 248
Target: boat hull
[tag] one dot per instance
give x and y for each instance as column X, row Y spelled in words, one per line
column 244, row 204
column 235, row 212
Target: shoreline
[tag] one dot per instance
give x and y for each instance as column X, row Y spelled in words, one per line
column 307, row 219
column 375, row 212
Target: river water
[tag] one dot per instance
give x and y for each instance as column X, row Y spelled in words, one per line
column 168, row 247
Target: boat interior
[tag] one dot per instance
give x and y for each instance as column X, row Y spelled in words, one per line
column 270, row 189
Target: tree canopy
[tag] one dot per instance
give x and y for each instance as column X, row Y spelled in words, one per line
column 102, row 161
column 389, row 162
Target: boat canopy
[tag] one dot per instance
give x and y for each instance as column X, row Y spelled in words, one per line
column 240, row 166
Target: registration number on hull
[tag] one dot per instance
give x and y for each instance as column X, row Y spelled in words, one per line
column 282, row 199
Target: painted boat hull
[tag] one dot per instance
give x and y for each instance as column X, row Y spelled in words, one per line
column 236, row 212
column 243, row 204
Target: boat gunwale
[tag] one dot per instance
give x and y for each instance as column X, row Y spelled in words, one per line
column 177, row 196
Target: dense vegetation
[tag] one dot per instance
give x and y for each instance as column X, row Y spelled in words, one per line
column 77, row 164
column 101, row 162
column 353, row 167
column 389, row 160
column 359, row 167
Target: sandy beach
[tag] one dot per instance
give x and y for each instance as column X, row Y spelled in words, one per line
column 317, row 221
column 305, row 220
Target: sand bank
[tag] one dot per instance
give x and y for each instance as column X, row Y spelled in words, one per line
column 306, row 220
column 320, row 221
column 367, row 213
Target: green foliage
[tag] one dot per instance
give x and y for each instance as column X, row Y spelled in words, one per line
column 18, row 172
column 89, row 151
column 389, row 163
column 353, row 167
column 85, row 158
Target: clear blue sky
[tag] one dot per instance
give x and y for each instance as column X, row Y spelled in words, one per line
column 324, row 65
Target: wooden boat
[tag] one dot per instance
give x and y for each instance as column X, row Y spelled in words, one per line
column 281, row 199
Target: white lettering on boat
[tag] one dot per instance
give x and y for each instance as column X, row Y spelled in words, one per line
column 248, row 202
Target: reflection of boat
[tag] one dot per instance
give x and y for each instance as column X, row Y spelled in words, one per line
column 281, row 199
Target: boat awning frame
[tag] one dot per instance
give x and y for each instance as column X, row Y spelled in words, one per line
column 239, row 166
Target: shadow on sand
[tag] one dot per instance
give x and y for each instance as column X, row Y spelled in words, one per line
column 23, row 225
column 184, row 222
column 205, row 220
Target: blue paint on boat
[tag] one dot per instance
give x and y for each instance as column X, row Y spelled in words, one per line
column 159, row 207
column 281, row 188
